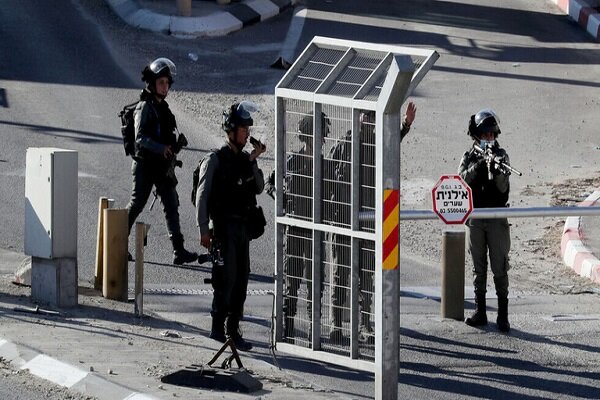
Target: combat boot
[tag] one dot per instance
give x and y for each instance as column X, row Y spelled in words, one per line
column 180, row 254
column 479, row 318
column 233, row 331
column 502, row 319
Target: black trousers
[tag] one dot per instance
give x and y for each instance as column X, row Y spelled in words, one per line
column 230, row 280
column 145, row 176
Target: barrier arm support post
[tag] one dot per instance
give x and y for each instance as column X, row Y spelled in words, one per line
column 453, row 275
column 387, row 222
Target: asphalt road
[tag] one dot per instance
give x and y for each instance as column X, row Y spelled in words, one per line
column 68, row 75
column 515, row 58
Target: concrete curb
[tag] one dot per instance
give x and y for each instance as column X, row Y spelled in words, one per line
column 585, row 13
column 216, row 24
column 575, row 254
column 66, row 375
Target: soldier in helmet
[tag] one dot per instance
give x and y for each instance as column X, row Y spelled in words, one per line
column 337, row 172
column 155, row 147
column 229, row 181
column 298, row 192
column 487, row 237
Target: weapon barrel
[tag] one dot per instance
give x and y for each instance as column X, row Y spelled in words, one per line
column 497, row 160
column 514, row 170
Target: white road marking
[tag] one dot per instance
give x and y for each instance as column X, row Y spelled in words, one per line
column 54, row 370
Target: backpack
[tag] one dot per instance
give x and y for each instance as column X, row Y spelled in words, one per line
column 196, row 176
column 128, row 128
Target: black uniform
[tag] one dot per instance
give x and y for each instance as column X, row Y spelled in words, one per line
column 227, row 189
column 485, row 235
column 154, row 129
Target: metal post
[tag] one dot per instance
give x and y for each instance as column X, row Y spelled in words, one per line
column 278, row 210
column 317, row 236
column 387, row 220
column 141, row 230
column 453, row 274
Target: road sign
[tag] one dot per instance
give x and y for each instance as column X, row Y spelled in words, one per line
column 452, row 199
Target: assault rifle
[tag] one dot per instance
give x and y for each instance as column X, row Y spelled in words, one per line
column 497, row 161
column 173, row 162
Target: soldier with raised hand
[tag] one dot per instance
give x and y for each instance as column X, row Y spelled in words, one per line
column 340, row 157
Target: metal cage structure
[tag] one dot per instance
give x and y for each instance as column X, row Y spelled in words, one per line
column 332, row 166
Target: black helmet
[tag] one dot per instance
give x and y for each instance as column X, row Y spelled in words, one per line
column 238, row 115
column 158, row 68
column 305, row 125
column 486, row 120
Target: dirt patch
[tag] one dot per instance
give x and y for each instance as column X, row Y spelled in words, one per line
column 537, row 262
column 573, row 191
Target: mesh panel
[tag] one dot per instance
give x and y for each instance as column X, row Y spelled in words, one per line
column 337, row 167
column 367, row 168
column 297, row 280
column 312, row 74
column 298, row 176
column 366, row 335
column 356, row 73
column 335, row 331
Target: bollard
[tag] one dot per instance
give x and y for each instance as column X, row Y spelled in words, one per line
column 184, row 8
column 114, row 282
column 453, row 274
column 103, row 204
column 141, row 230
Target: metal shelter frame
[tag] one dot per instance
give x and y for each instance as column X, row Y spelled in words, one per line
column 338, row 118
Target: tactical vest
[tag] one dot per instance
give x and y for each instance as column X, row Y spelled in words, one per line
column 485, row 192
column 234, row 187
column 159, row 124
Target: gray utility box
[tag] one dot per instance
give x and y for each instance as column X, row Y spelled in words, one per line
column 51, row 224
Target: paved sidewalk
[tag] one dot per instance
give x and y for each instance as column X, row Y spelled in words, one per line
column 101, row 349
column 208, row 18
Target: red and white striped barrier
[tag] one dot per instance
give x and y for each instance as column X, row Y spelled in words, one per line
column 574, row 252
column 585, row 13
